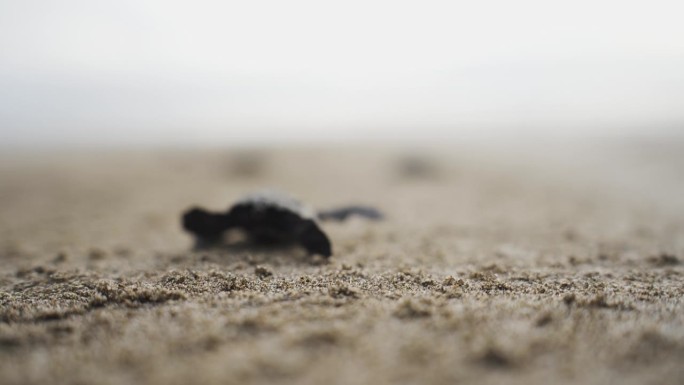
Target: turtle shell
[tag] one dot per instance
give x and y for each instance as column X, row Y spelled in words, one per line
column 269, row 199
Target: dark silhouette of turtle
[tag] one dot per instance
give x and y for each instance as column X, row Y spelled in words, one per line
column 268, row 218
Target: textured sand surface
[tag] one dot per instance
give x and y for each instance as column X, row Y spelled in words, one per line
column 561, row 264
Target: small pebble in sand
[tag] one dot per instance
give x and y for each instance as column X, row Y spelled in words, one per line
column 417, row 167
column 262, row 272
column 664, row 259
column 60, row 258
column 96, row 254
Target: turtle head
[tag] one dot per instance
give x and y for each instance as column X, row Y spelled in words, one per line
column 206, row 226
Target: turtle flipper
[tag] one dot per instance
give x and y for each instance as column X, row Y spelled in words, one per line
column 314, row 240
column 342, row 213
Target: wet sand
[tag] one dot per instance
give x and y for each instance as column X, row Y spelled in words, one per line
column 529, row 264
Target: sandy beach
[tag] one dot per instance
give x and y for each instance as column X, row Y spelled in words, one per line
column 525, row 264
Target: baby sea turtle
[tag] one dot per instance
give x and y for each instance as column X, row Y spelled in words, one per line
column 270, row 217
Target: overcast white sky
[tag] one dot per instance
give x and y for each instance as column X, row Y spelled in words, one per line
column 218, row 71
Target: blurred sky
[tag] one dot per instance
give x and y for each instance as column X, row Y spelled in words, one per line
column 147, row 71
